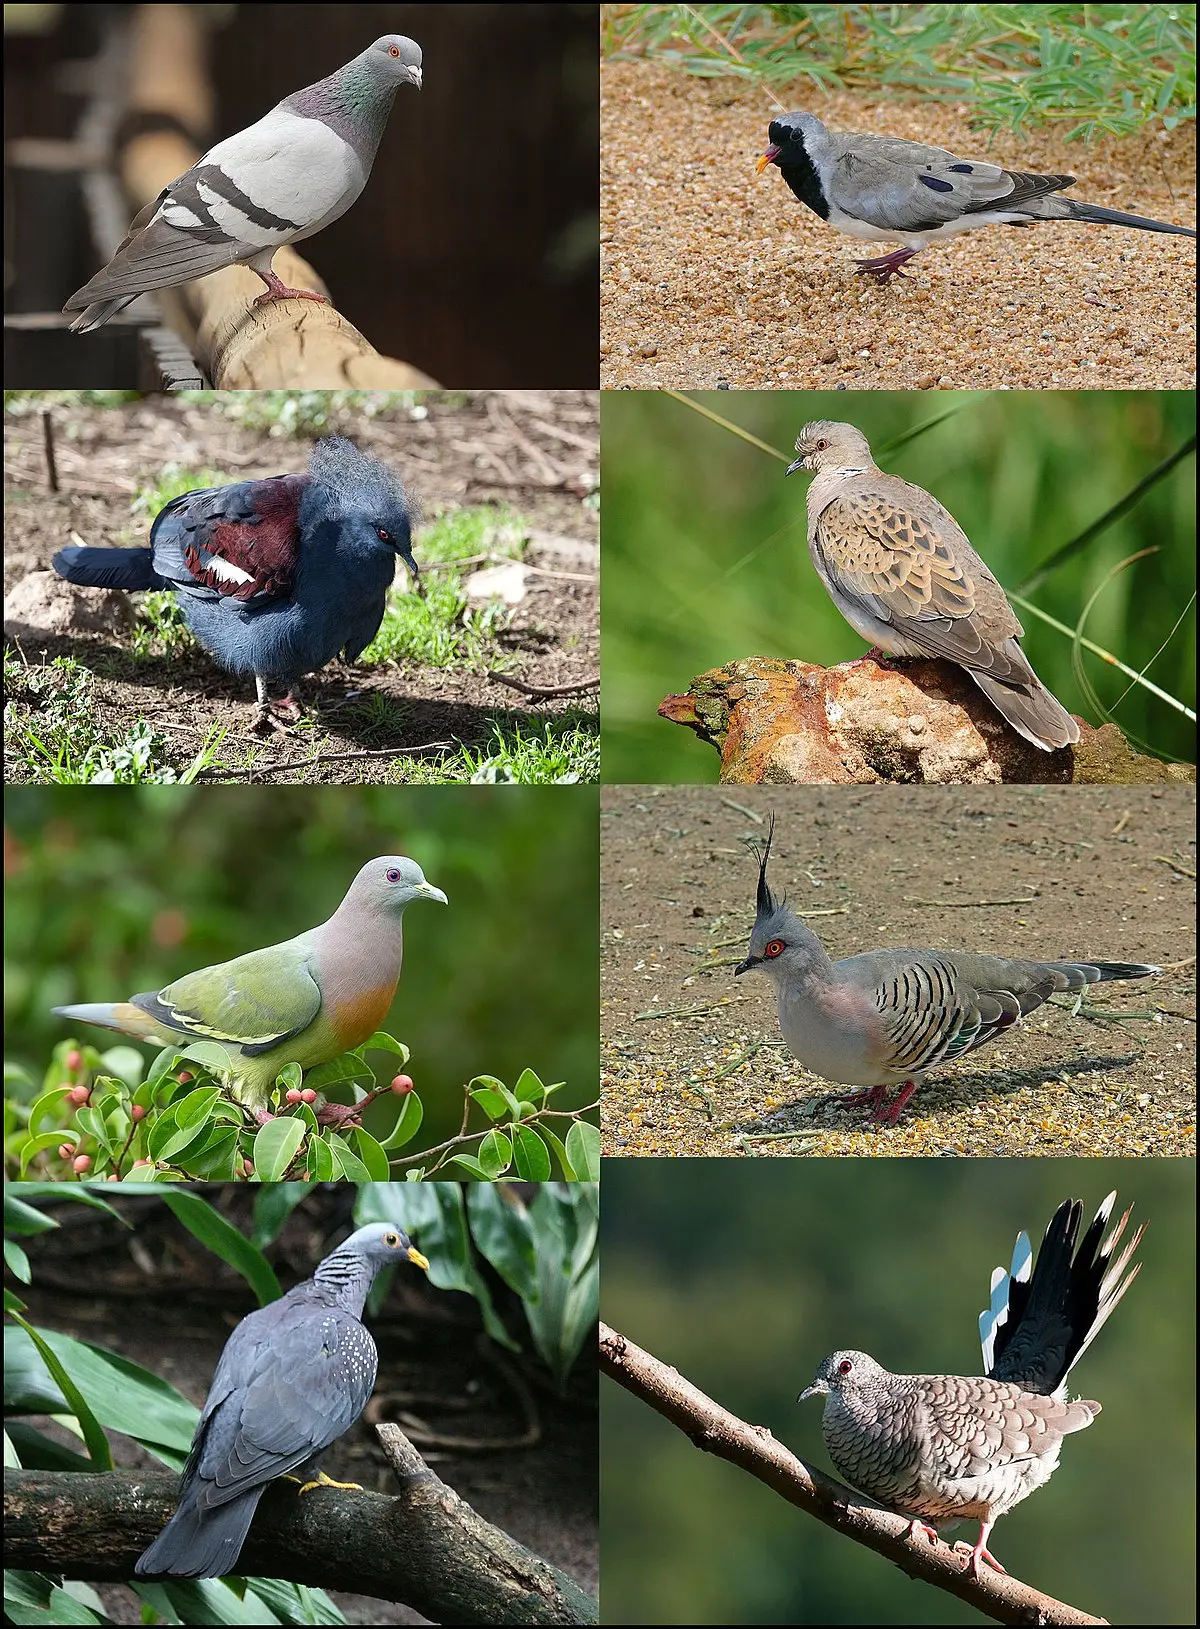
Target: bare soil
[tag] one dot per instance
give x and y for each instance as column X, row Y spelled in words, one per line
column 439, row 1378
column 714, row 276
column 1051, row 872
column 534, row 452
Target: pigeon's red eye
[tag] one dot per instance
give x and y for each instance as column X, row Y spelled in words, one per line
column 384, row 537
column 393, row 50
column 845, row 1366
column 393, row 875
column 775, row 948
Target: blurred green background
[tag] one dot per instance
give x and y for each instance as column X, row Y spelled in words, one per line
column 111, row 892
column 745, row 1274
column 685, row 501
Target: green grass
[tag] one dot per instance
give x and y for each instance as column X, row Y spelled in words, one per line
column 305, row 412
column 51, row 731
column 558, row 752
column 1097, row 69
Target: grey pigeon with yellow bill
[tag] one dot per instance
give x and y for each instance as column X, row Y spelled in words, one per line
column 940, row 1449
column 888, row 190
column 901, row 571
column 293, row 1377
column 277, row 182
column 883, row 1019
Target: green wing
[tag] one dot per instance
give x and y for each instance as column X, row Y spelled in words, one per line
column 256, row 1001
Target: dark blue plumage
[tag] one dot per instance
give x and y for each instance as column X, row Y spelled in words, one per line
column 273, row 577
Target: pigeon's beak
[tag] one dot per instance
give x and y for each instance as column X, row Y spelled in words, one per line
column 417, row 1259
column 414, row 77
column 748, row 965
column 769, row 157
column 797, row 463
column 413, row 568
column 819, row 1388
column 428, row 891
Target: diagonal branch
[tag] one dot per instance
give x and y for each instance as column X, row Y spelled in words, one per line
column 752, row 1447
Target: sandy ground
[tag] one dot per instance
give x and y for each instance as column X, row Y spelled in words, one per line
column 1107, row 872
column 713, row 276
column 536, row 453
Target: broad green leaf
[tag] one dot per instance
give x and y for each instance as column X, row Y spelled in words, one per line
column 275, row 1147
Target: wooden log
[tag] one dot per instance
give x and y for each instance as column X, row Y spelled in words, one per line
column 291, row 344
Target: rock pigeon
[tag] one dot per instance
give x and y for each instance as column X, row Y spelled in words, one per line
column 304, row 1001
column 273, row 577
column 888, row 190
column 903, row 573
column 279, row 181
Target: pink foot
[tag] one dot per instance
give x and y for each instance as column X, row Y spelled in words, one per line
column 885, row 266
column 915, row 1526
column 278, row 290
column 888, row 1114
column 870, row 1097
column 979, row 1552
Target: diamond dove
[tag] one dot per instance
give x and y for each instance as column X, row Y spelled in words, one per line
column 940, row 1449
column 902, row 573
column 885, row 1018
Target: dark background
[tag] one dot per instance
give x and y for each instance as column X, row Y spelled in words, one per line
column 744, row 1274
column 110, row 891
column 472, row 253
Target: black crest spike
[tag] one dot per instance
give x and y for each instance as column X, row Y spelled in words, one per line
column 766, row 902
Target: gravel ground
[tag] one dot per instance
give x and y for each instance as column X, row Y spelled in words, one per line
column 1106, row 872
column 713, row 276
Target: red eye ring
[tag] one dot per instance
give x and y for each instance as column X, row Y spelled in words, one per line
column 775, row 948
column 393, row 875
column 845, row 1366
column 393, row 50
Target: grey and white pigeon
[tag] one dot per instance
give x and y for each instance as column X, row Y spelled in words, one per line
column 278, row 182
column 940, row 1449
column 293, row 1377
column 885, row 1018
column 888, row 190
column 900, row 570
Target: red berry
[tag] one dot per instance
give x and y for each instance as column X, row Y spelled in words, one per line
column 402, row 1085
column 78, row 1095
column 143, row 1162
column 82, row 1162
column 248, row 1165
column 293, row 1096
column 184, row 1076
column 309, row 1095
column 66, row 1151
column 112, row 1177
column 137, row 1111
column 73, row 1060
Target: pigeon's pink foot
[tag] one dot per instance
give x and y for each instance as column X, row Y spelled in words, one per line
column 869, row 1097
column 916, row 1526
column 979, row 1552
column 278, row 290
column 888, row 1114
column 885, row 266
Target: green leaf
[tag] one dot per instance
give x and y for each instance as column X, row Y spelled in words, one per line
column 503, row 1233
column 276, row 1145
column 224, row 1240
column 531, row 1157
column 381, row 1041
column 290, row 1078
column 408, row 1122
column 492, row 1104
column 529, row 1088
column 583, row 1150
column 93, row 1434
column 372, row 1155
column 495, row 1154
column 348, row 1162
column 559, row 1147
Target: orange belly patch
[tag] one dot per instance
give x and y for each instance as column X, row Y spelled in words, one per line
column 357, row 1019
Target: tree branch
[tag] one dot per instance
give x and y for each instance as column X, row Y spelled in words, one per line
column 754, row 1449
column 424, row 1546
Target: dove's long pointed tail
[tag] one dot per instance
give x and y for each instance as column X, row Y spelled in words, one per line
column 1033, row 712
column 1100, row 216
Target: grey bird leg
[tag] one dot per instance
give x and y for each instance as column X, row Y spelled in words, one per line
column 885, row 266
column 274, row 717
column 278, row 290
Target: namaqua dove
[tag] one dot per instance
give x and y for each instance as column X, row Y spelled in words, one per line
column 902, row 573
column 885, row 189
column 304, row 1001
column 293, row 1377
column 279, row 181
column 940, row 1449
column 885, row 1018
column 274, row 577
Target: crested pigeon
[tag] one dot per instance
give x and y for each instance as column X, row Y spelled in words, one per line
column 886, row 1017
column 886, row 189
column 939, row 1449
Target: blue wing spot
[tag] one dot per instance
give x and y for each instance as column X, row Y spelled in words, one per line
column 963, row 169
column 935, row 185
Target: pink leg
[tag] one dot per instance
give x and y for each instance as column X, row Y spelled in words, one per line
column 886, row 265
column 278, row 290
column 917, row 1526
column 869, row 1097
column 980, row 1552
column 889, row 1114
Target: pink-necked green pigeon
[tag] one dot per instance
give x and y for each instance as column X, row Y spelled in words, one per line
column 304, row 1001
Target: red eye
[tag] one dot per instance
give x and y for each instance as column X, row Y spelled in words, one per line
column 775, row 948
column 393, row 50
column 393, row 875
column 845, row 1366
column 384, row 537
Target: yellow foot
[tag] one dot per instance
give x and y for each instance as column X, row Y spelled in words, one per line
column 323, row 1481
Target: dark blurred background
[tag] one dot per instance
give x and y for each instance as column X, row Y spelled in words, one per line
column 744, row 1274
column 1023, row 472
column 473, row 251
column 112, row 891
